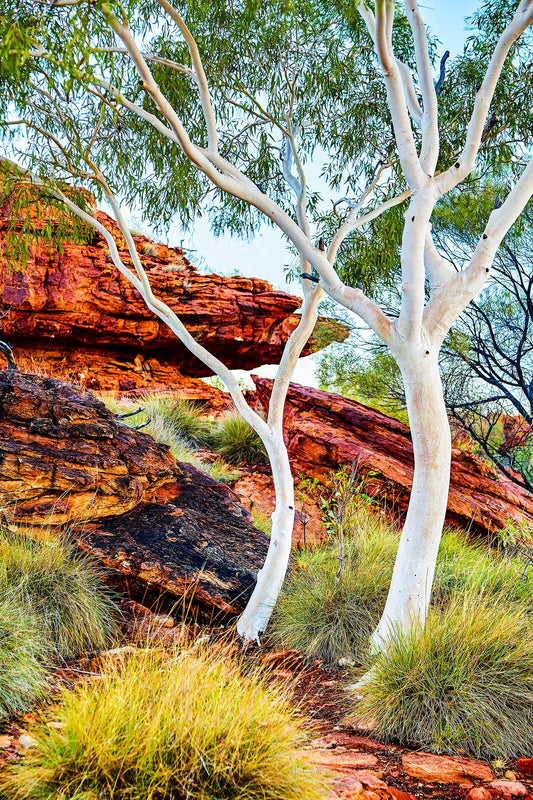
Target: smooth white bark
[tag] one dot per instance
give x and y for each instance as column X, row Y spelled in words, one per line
column 259, row 608
column 412, row 579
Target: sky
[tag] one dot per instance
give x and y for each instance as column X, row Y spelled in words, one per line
column 266, row 254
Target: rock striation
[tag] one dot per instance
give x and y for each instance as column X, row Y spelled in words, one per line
column 160, row 527
column 325, row 431
column 71, row 310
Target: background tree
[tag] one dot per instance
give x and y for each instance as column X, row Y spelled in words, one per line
column 117, row 99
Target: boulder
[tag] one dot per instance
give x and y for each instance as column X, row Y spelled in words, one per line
column 70, row 308
column 161, row 528
column 325, row 431
column 445, row 769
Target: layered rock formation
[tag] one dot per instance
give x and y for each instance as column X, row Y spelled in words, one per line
column 325, row 431
column 160, row 527
column 75, row 313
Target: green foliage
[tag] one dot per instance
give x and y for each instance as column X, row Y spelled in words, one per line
column 464, row 682
column 515, row 533
column 237, row 442
column 192, row 726
column 372, row 378
column 62, row 589
column 34, row 216
column 21, row 648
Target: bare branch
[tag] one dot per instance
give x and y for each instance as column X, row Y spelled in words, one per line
column 200, row 73
column 353, row 222
column 151, row 57
column 430, row 127
column 414, row 173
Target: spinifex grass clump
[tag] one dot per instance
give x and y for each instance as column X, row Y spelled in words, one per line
column 192, row 727
column 465, row 565
column 157, row 412
column 464, row 682
column 21, row 673
column 180, row 425
column 61, row 588
column 329, row 613
column 237, row 442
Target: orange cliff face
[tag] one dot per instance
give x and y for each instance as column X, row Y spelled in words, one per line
column 71, row 310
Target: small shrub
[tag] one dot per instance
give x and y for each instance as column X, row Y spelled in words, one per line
column 190, row 728
column 237, row 442
column 21, row 673
column 464, row 682
column 61, row 588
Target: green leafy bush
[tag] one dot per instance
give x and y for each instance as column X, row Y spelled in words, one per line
column 61, row 588
column 464, row 682
column 189, row 727
column 237, row 442
column 21, row 672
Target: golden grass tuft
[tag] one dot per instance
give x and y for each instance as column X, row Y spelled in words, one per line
column 192, row 727
column 464, row 683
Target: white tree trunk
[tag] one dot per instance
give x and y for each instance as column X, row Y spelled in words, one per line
column 270, row 578
column 412, row 579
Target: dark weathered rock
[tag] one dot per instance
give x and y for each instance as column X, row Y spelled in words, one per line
column 325, row 431
column 199, row 541
column 63, row 454
column 159, row 526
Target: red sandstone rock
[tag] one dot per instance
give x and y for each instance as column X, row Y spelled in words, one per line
column 325, row 431
column 75, row 307
column 444, row 769
column 525, row 765
column 107, row 370
column 479, row 793
column 507, row 789
column 162, row 529
column 342, row 760
column 397, row 794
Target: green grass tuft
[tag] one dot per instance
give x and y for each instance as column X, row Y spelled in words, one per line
column 21, row 646
column 61, row 588
column 330, row 617
column 237, row 442
column 464, row 682
column 189, row 727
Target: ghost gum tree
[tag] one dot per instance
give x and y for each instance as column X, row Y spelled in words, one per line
column 140, row 79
